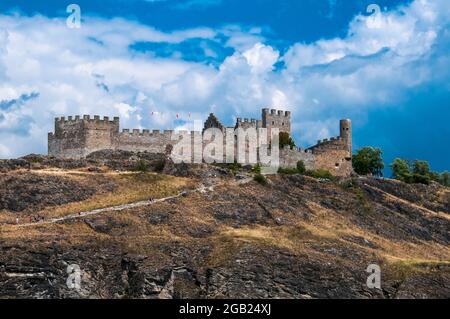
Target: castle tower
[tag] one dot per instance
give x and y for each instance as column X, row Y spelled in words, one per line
column 79, row 136
column 276, row 119
column 346, row 133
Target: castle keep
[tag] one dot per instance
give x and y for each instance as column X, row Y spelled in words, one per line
column 77, row 137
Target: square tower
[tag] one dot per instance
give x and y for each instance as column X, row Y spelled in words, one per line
column 276, row 119
column 78, row 137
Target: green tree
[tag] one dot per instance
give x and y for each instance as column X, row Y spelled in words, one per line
column 421, row 172
column 401, row 171
column 421, row 179
column 445, row 178
column 417, row 172
column 435, row 176
column 421, row 168
column 368, row 160
column 286, row 139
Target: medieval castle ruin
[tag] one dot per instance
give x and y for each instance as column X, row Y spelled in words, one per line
column 77, row 137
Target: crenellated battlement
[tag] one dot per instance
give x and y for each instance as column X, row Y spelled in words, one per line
column 333, row 143
column 246, row 123
column 246, row 120
column 86, row 118
column 297, row 149
column 275, row 112
column 146, row 133
column 155, row 133
column 343, row 142
column 328, row 140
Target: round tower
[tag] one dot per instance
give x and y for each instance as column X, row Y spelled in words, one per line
column 346, row 133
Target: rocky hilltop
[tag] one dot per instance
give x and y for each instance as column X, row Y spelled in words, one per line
column 139, row 226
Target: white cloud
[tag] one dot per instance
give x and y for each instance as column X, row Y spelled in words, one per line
column 3, row 40
column 124, row 110
column 242, row 39
column 5, row 151
column 261, row 58
column 373, row 64
column 92, row 70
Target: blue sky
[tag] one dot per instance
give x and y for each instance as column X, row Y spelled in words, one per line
column 322, row 59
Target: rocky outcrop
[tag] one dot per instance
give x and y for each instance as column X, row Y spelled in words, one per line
column 28, row 191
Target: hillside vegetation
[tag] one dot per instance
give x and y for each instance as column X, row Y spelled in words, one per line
column 226, row 237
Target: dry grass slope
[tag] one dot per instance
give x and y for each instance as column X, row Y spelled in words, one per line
column 320, row 226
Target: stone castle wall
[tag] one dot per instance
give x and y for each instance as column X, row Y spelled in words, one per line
column 334, row 154
column 289, row 158
column 77, row 137
column 139, row 141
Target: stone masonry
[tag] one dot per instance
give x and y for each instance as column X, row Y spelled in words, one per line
column 77, row 137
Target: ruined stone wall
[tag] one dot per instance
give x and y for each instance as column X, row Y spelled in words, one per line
column 325, row 145
column 289, row 158
column 337, row 162
column 333, row 155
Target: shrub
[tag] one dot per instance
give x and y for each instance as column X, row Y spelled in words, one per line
column 421, row 179
column 260, row 179
column 288, row 171
column 348, row 183
column 231, row 166
column 141, row 166
column 257, row 169
column 234, row 166
column 292, row 171
column 301, row 167
column 320, row 173
column 159, row 166
column 367, row 161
